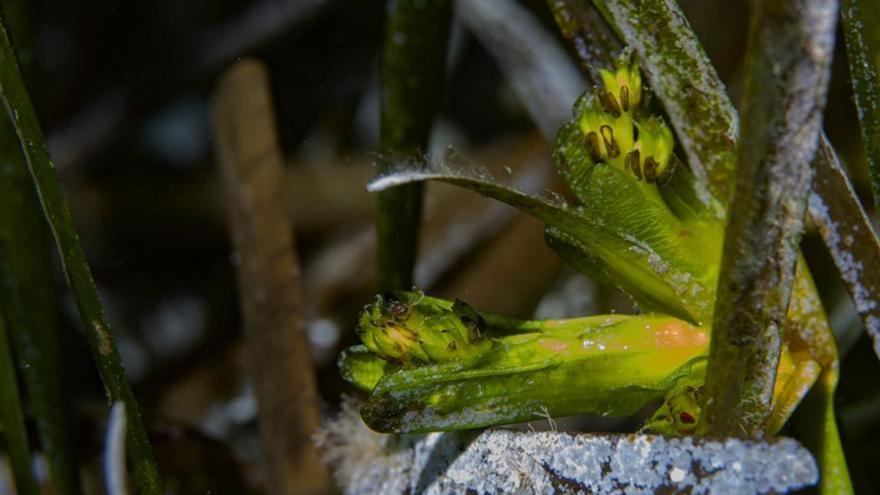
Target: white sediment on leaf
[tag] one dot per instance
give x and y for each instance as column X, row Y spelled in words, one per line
column 453, row 166
column 398, row 179
column 850, row 269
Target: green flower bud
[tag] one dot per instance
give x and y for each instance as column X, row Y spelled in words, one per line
column 411, row 329
column 681, row 408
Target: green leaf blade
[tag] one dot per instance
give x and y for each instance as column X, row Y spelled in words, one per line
column 19, row 109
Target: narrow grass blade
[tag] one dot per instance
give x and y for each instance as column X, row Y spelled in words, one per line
column 866, row 85
column 413, row 63
column 12, row 419
column 788, row 67
column 475, row 180
column 847, row 232
column 28, row 289
column 20, row 111
column 816, row 423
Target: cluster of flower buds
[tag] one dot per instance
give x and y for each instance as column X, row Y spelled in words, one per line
column 411, row 329
column 679, row 412
column 616, row 134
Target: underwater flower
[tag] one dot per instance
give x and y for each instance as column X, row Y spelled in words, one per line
column 608, row 138
column 623, row 85
column 407, row 328
column 614, row 133
column 652, row 152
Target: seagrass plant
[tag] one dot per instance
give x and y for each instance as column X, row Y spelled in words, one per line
column 656, row 226
column 639, row 226
column 692, row 211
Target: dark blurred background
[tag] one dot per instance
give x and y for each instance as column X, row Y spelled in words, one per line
column 124, row 90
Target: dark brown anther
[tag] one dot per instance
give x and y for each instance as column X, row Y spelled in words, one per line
column 593, row 147
column 650, row 170
column 477, row 326
column 609, row 103
column 397, row 308
column 631, row 163
column 610, row 142
column 624, row 98
column 666, row 176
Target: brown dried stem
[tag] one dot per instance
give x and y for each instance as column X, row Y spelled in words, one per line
column 251, row 164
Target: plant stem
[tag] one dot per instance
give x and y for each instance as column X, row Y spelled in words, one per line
column 413, row 63
column 12, row 418
column 251, row 164
column 815, row 420
column 20, row 111
column 866, row 86
column 788, row 67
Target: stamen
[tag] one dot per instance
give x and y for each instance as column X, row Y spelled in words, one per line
column 593, row 147
column 609, row 103
column 666, row 175
column 650, row 170
column 624, row 98
column 610, row 144
column 632, row 164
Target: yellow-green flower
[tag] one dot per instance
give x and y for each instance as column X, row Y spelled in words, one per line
column 608, row 138
column 623, row 85
column 650, row 158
